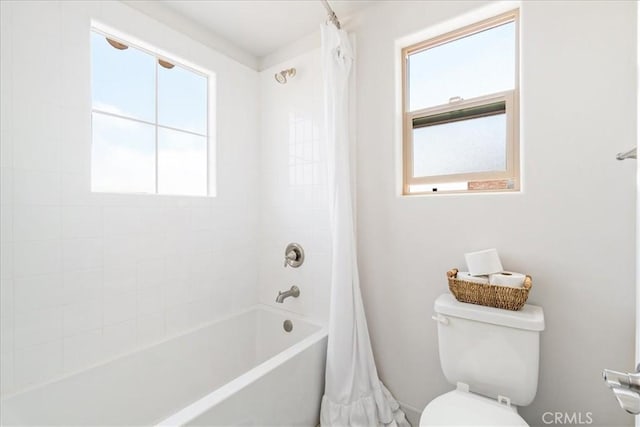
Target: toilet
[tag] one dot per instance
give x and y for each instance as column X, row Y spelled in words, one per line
column 491, row 356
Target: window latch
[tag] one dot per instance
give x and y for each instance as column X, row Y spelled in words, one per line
column 455, row 99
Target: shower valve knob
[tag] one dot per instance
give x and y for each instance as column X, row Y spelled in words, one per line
column 293, row 255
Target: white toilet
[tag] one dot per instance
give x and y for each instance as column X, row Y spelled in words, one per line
column 492, row 357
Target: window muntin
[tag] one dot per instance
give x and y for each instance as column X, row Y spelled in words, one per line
column 460, row 110
column 150, row 122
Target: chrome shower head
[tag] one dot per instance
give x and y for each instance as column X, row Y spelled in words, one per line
column 281, row 77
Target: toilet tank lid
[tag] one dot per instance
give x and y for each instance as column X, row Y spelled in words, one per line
column 530, row 317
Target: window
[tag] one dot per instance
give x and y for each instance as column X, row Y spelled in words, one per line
column 460, row 110
column 150, row 127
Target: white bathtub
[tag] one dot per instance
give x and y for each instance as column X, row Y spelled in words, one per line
column 241, row 370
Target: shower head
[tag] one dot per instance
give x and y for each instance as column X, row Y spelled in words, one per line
column 281, row 77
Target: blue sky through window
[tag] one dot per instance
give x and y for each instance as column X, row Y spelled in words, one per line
column 123, row 81
column 123, row 154
column 182, row 99
column 132, row 151
column 472, row 66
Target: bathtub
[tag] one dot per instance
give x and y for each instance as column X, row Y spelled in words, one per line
column 241, row 370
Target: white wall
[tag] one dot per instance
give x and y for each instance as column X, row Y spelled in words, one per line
column 88, row 276
column 572, row 227
column 293, row 186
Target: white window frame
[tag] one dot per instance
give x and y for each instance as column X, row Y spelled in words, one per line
column 155, row 124
column 507, row 180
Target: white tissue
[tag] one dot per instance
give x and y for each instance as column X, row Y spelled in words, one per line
column 483, row 263
column 466, row 276
column 507, row 278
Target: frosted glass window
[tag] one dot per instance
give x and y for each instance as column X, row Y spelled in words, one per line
column 182, row 99
column 471, row 66
column 150, row 122
column 466, row 146
column 123, row 155
column 182, row 163
column 122, row 81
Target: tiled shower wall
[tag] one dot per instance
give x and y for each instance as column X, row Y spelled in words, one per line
column 88, row 276
column 294, row 205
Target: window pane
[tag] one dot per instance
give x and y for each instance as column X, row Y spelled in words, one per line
column 466, row 146
column 476, row 65
column 182, row 163
column 182, row 99
column 123, row 155
column 122, row 81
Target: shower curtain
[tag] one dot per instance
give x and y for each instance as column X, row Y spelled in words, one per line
column 354, row 396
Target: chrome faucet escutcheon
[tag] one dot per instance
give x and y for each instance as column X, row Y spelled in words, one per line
column 293, row 292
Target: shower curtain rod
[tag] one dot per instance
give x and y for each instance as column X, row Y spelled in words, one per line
column 332, row 15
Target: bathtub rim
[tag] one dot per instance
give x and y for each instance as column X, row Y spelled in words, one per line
column 200, row 406
column 258, row 306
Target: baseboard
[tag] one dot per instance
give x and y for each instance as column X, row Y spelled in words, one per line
column 412, row 414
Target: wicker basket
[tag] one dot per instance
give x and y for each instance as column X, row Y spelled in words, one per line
column 489, row 295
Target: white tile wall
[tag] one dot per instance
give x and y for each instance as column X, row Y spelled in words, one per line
column 85, row 276
column 82, row 349
column 81, row 222
column 34, row 257
column 37, row 327
column 37, row 363
column 82, row 316
column 150, row 328
column 38, row 292
column 294, row 187
column 35, row 187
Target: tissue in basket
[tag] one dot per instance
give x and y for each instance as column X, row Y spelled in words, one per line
column 489, row 295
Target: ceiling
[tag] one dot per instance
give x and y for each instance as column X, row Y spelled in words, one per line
column 261, row 27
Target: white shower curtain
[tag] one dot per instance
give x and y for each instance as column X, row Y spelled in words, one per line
column 354, row 396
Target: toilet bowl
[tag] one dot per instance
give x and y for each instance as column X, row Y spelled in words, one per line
column 492, row 357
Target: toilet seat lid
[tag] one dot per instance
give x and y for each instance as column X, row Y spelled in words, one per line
column 460, row 408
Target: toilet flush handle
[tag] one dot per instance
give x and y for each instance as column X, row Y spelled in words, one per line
column 440, row 319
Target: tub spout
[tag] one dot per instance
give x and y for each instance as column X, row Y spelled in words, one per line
column 293, row 292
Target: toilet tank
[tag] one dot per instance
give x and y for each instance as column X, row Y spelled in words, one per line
column 495, row 351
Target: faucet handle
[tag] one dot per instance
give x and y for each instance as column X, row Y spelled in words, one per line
column 293, row 255
column 289, row 257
